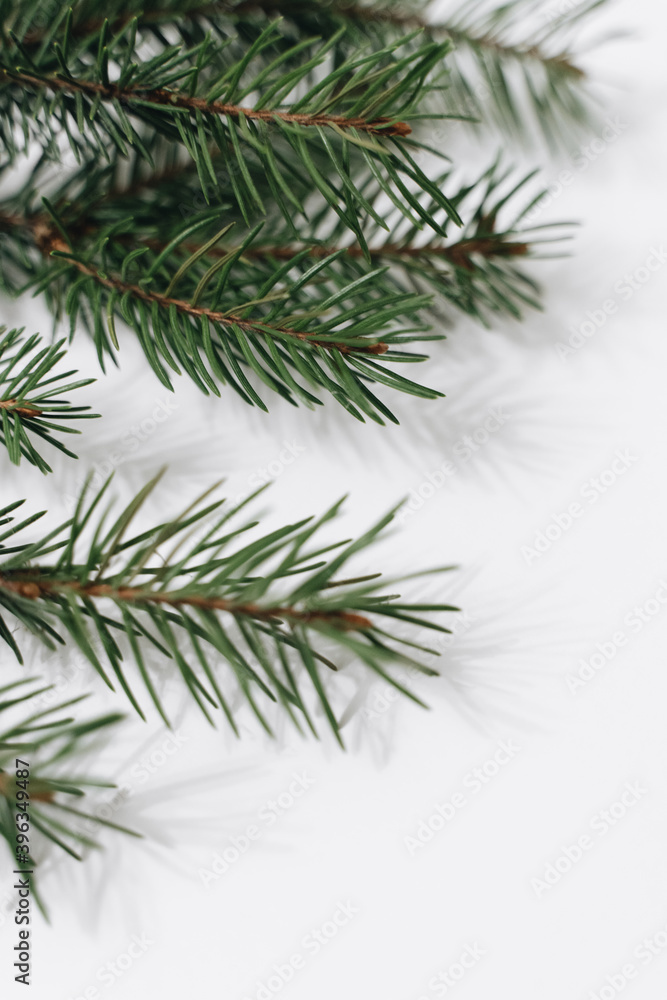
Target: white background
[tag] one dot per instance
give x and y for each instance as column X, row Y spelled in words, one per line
column 528, row 624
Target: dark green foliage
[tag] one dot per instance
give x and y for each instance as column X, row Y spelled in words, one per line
column 514, row 66
column 260, row 190
column 194, row 313
column 31, row 410
column 95, row 90
column 249, row 186
column 47, row 795
column 269, row 607
column 302, row 315
column 187, row 119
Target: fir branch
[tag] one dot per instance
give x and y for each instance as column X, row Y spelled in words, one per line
column 171, row 99
column 34, row 586
column 30, row 405
column 478, row 272
column 278, row 591
column 508, row 56
column 86, row 22
column 363, row 103
column 42, row 791
column 276, row 292
column 561, row 62
column 50, row 241
column 516, row 68
column 299, row 326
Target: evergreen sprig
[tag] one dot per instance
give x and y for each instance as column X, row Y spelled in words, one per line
column 31, row 408
column 250, row 186
column 299, row 316
column 515, row 65
column 190, row 315
column 95, row 90
column 42, row 788
column 274, row 608
column 477, row 269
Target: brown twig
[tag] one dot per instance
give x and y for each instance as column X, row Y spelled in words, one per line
column 34, row 587
column 39, row 790
column 172, row 99
column 49, row 240
column 459, row 254
column 13, row 406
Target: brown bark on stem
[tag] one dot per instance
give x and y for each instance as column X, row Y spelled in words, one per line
column 49, row 240
column 33, row 587
column 173, row 99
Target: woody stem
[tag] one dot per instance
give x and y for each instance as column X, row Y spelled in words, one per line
column 34, row 587
column 172, row 99
column 49, row 240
